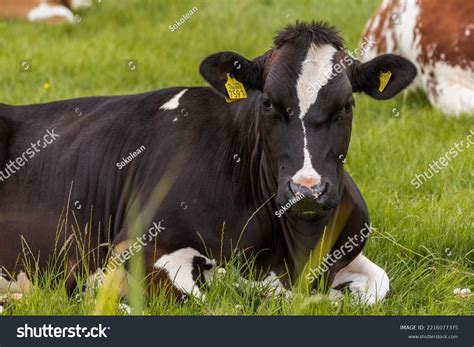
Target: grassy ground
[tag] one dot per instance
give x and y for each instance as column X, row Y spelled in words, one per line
column 424, row 237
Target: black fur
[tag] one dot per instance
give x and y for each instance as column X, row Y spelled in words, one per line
column 302, row 34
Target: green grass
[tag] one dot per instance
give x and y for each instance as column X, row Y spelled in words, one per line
column 424, row 237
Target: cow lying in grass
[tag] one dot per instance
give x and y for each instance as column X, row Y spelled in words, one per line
column 215, row 166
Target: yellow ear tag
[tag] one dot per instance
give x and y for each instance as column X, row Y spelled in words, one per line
column 235, row 89
column 384, row 78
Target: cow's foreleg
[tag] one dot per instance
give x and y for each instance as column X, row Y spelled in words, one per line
column 367, row 281
column 185, row 268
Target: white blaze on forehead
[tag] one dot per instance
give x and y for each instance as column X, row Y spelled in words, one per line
column 173, row 103
column 315, row 73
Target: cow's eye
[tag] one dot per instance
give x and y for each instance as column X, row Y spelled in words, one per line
column 267, row 104
column 347, row 108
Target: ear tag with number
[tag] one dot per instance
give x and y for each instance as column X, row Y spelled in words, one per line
column 235, row 89
column 384, row 77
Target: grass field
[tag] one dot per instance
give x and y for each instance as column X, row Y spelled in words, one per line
column 424, row 238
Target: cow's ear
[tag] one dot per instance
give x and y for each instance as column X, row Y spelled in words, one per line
column 216, row 67
column 382, row 77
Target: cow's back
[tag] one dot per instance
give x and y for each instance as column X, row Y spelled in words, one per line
column 110, row 154
column 71, row 179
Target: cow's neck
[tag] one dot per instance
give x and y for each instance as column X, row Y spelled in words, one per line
column 259, row 173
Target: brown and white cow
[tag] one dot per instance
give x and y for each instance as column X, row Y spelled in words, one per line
column 438, row 37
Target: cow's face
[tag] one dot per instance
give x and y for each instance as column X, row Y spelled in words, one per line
column 305, row 107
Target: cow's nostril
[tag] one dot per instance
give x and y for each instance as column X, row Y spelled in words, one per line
column 321, row 189
column 295, row 188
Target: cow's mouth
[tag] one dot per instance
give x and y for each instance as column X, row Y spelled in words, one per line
column 310, row 205
column 308, row 216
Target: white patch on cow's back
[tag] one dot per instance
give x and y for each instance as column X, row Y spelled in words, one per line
column 179, row 268
column 173, row 103
column 315, row 73
column 369, row 282
column 46, row 11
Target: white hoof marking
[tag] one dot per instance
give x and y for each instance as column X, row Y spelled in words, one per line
column 179, row 266
column 367, row 281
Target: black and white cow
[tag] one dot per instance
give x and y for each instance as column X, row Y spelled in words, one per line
column 227, row 168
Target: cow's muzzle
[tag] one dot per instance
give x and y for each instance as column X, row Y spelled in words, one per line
column 311, row 201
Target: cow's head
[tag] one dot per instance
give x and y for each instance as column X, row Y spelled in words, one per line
column 305, row 105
